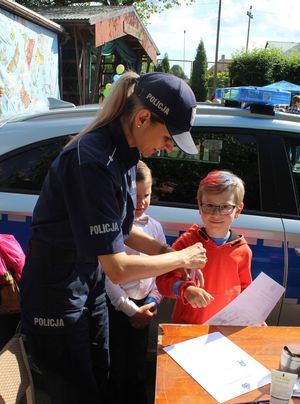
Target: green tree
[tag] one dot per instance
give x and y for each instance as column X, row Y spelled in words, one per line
column 222, row 81
column 178, row 71
column 258, row 67
column 163, row 65
column 199, row 75
column 292, row 70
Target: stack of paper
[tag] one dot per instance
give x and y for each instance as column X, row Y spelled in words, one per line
column 222, row 368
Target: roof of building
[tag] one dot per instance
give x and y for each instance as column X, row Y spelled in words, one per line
column 24, row 12
column 99, row 16
column 285, row 47
column 83, row 12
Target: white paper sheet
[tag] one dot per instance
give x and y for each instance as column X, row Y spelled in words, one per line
column 252, row 306
column 296, row 390
column 222, row 368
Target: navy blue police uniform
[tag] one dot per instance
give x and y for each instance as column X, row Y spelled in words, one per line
column 85, row 209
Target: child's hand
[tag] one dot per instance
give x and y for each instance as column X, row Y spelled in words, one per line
column 197, row 274
column 143, row 316
column 197, row 297
column 199, row 278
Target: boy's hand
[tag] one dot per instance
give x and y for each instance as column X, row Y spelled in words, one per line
column 143, row 316
column 197, row 274
column 197, row 297
column 199, row 278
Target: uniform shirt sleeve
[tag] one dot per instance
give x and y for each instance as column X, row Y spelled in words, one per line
column 119, row 298
column 95, row 206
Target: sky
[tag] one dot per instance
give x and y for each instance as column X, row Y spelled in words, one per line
column 273, row 20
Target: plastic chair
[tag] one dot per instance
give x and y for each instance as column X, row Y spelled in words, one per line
column 15, row 376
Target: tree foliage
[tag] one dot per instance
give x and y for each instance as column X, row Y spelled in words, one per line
column 163, row 65
column 292, row 70
column 178, row 71
column 222, row 81
column 143, row 7
column 264, row 66
column 199, row 75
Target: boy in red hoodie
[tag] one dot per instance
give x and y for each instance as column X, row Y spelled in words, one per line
column 228, row 269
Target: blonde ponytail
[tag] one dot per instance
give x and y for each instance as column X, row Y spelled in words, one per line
column 120, row 100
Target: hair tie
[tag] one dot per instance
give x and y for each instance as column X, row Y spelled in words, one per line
column 133, row 80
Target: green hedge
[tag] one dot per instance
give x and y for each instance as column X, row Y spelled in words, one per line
column 264, row 66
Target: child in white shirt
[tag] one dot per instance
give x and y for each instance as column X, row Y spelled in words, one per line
column 132, row 307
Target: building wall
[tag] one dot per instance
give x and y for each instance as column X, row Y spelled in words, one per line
column 28, row 64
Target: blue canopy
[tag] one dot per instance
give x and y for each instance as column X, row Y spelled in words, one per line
column 284, row 85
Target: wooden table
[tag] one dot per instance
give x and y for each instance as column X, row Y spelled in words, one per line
column 175, row 386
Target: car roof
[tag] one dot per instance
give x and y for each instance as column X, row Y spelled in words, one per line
column 23, row 129
column 65, row 109
column 19, row 131
column 221, row 116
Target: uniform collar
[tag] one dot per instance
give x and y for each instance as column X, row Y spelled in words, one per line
column 129, row 156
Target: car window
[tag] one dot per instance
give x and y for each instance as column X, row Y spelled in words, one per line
column 24, row 170
column 293, row 152
column 177, row 175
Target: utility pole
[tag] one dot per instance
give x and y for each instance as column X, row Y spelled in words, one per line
column 250, row 15
column 184, row 32
column 217, row 46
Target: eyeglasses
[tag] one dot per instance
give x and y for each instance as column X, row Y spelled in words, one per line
column 222, row 210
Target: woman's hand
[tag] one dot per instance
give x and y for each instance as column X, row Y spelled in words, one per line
column 197, row 297
column 194, row 256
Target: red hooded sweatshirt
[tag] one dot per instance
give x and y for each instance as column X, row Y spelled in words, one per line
column 226, row 274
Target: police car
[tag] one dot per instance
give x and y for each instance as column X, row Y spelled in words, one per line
column 259, row 145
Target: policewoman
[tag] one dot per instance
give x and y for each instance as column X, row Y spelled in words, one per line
column 81, row 220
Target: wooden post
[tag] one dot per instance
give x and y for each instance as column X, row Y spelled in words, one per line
column 97, row 75
column 78, row 65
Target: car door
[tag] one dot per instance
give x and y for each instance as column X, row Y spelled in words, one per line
column 290, row 313
column 27, row 148
column 22, row 172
